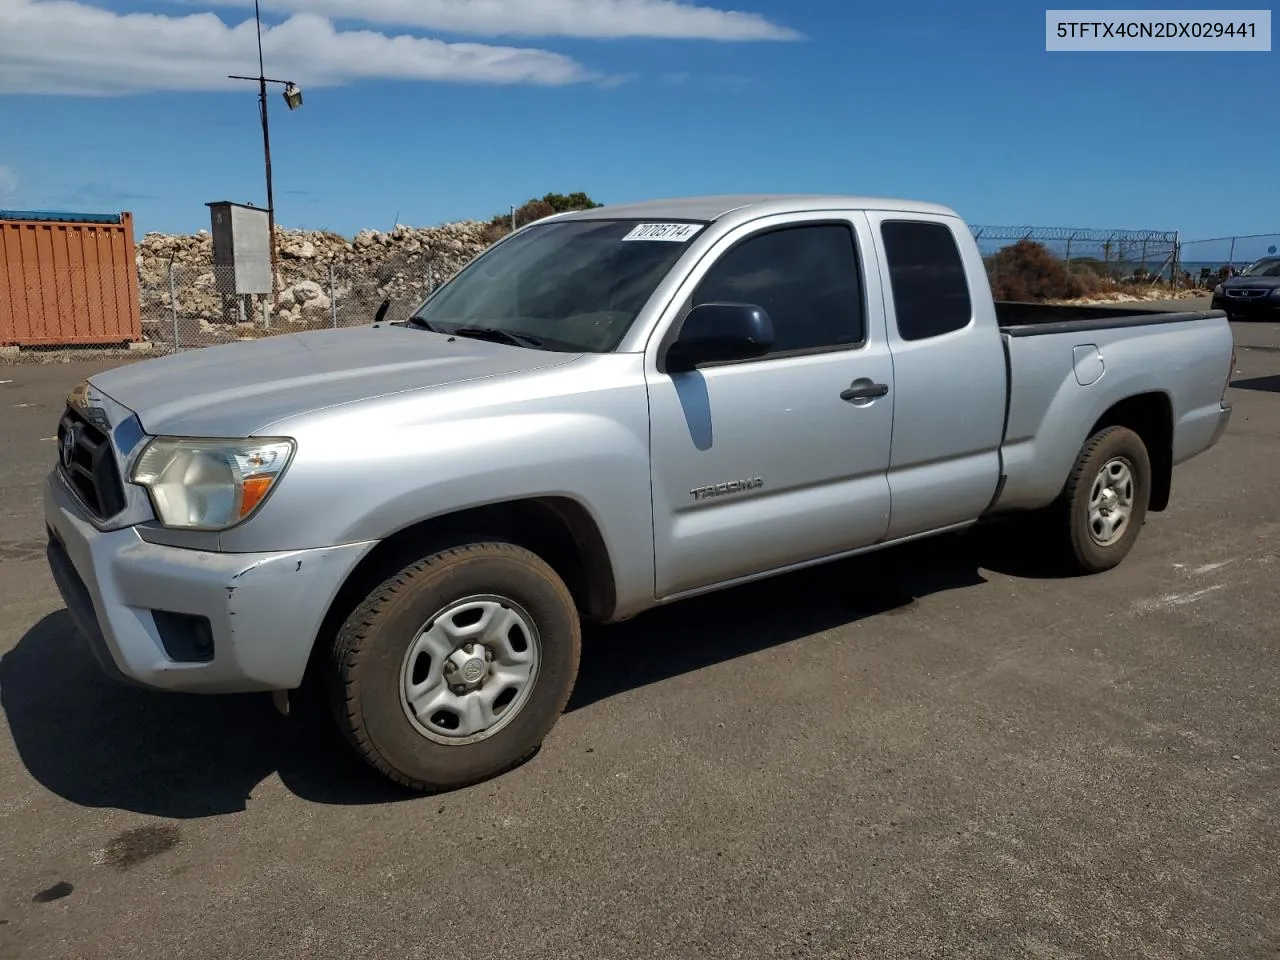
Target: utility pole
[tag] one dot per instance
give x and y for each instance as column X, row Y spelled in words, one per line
column 293, row 97
column 266, row 152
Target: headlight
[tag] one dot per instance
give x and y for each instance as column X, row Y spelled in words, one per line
column 1217, row 291
column 1275, row 292
column 209, row 484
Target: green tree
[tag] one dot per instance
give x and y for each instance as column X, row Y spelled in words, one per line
column 574, row 201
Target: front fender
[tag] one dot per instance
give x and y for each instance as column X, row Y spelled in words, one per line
column 365, row 474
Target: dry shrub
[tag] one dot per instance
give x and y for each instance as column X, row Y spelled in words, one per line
column 1027, row 271
column 495, row 231
column 534, row 210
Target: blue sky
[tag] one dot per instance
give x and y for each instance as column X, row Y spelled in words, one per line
column 478, row 104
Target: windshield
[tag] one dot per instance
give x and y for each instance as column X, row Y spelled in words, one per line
column 575, row 285
column 1263, row 268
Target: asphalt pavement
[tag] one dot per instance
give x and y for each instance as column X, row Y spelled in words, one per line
column 940, row 751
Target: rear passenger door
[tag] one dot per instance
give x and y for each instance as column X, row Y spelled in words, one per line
column 949, row 372
column 762, row 463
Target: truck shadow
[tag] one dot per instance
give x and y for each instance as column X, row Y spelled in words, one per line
column 97, row 743
column 702, row 631
column 1267, row 384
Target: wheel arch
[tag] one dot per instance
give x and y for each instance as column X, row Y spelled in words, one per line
column 558, row 529
column 1150, row 416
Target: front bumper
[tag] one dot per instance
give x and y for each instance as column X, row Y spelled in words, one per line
column 190, row 620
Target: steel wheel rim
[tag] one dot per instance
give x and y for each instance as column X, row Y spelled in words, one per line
column 1111, row 500
column 470, row 669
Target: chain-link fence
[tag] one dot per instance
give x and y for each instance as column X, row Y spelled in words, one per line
column 189, row 306
column 187, row 302
column 1066, row 262
column 1207, row 262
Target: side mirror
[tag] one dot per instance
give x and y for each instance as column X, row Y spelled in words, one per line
column 382, row 311
column 718, row 332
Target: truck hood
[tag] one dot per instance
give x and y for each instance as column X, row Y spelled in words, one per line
column 239, row 389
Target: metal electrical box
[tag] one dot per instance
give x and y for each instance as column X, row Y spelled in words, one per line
column 241, row 247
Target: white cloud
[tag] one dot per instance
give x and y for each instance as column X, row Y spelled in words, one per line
column 669, row 19
column 8, row 184
column 67, row 47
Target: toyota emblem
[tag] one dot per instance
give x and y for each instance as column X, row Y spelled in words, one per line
column 67, row 446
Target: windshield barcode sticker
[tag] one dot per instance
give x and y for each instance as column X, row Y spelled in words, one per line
column 670, row 232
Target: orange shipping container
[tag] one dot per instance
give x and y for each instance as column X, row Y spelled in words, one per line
column 68, row 279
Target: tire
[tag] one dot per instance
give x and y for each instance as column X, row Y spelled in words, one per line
column 395, row 644
column 1122, row 493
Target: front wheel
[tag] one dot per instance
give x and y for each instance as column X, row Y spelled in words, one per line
column 1105, row 500
column 456, row 668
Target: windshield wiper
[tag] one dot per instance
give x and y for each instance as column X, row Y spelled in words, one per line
column 417, row 321
column 499, row 336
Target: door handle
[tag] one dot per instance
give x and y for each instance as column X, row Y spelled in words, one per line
column 864, row 389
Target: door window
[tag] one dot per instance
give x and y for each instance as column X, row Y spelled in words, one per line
column 805, row 277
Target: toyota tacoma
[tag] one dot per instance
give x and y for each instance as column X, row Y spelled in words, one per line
column 606, row 411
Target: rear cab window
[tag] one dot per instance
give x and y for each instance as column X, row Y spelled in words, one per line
column 927, row 276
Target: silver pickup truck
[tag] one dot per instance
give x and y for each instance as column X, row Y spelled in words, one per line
column 606, row 411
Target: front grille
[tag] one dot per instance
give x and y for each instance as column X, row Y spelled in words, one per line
column 1248, row 293
column 88, row 463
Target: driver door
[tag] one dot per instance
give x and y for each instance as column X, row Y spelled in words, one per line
column 760, row 464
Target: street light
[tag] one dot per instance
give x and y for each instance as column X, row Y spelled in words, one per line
column 293, row 97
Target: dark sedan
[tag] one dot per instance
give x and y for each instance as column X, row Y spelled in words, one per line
column 1253, row 293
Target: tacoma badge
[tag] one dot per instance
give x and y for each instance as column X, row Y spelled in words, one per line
column 720, row 489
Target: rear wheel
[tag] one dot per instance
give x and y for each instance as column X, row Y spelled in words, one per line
column 456, row 668
column 1104, row 504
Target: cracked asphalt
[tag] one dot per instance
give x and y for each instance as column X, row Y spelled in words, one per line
column 934, row 752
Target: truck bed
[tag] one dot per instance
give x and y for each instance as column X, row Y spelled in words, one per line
column 1019, row 319
column 1068, row 365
